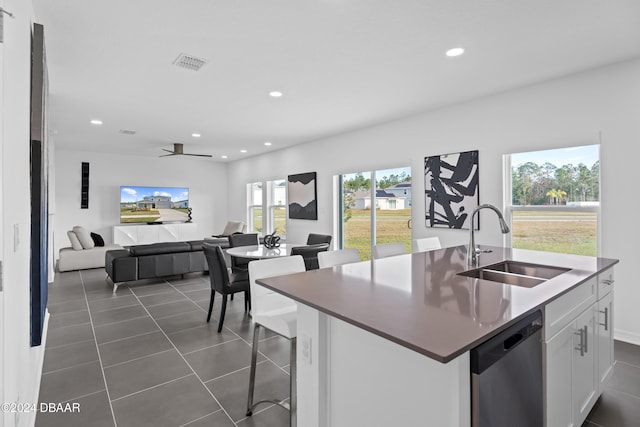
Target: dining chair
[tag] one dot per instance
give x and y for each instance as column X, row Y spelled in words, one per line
column 426, row 244
column 277, row 313
column 250, row 239
column 223, row 282
column 338, row 257
column 310, row 254
column 314, row 239
column 384, row 250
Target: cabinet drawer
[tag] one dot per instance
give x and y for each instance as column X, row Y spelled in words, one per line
column 605, row 282
column 565, row 309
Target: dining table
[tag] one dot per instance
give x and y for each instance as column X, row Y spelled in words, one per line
column 261, row 252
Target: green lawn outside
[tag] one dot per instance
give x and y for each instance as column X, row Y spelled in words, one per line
column 562, row 232
column 566, row 232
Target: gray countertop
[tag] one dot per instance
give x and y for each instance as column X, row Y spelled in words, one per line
column 420, row 302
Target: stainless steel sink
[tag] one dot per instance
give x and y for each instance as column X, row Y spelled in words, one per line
column 516, row 273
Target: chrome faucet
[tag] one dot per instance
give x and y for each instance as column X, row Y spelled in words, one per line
column 473, row 252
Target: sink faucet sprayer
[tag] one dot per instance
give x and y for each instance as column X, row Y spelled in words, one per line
column 472, row 257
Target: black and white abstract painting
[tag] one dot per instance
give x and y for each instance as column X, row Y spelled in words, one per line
column 301, row 191
column 451, row 189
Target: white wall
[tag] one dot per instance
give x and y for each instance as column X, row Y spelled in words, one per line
column 568, row 111
column 21, row 364
column 207, row 182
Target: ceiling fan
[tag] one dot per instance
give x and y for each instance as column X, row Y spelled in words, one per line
column 178, row 150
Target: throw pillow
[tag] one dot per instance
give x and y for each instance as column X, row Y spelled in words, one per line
column 85, row 238
column 75, row 243
column 97, row 239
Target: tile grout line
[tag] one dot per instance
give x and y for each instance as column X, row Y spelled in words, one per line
column 212, row 346
column 93, row 330
column 201, row 418
column 126, row 338
column 71, row 343
column 236, row 371
column 137, row 358
column 119, row 321
column 188, row 364
column 69, row 367
column 152, row 387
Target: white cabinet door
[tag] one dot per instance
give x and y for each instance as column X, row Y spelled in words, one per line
column 559, row 353
column 585, row 380
column 605, row 339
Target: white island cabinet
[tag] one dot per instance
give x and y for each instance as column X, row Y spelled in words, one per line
column 578, row 350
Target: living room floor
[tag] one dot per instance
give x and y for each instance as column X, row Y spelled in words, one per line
column 147, row 357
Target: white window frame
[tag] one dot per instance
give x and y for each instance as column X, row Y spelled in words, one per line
column 267, row 204
column 509, row 208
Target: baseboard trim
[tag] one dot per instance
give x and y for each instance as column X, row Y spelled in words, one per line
column 626, row 336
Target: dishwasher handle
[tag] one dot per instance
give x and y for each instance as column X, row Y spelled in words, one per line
column 491, row 351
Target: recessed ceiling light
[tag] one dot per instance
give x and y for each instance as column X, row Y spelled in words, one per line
column 243, row 151
column 195, row 135
column 96, row 122
column 275, row 94
column 456, row 51
column 267, row 143
column 223, row 157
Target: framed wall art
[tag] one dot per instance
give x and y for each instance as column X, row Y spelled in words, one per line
column 451, row 189
column 302, row 195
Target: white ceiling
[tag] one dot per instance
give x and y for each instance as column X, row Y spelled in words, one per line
column 342, row 64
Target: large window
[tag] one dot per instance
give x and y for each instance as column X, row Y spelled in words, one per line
column 553, row 199
column 375, row 214
column 267, row 207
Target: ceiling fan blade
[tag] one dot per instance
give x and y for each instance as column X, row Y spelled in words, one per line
column 168, row 151
column 167, row 155
column 199, row 155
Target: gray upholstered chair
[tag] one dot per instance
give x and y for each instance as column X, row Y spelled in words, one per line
column 310, row 254
column 235, row 240
column 315, row 239
column 223, row 282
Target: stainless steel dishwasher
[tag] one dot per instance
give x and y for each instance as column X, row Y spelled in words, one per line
column 506, row 377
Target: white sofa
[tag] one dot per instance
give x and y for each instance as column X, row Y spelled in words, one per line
column 84, row 252
column 71, row 259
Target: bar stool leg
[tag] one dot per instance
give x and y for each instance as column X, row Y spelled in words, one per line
column 252, row 375
column 293, row 386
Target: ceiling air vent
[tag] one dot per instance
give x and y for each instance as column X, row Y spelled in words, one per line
column 189, row 62
column 127, row 132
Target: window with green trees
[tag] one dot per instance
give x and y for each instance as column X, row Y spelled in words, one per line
column 555, row 199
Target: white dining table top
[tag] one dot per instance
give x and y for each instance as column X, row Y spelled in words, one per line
column 260, row 252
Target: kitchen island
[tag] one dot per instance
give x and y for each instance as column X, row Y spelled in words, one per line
column 387, row 341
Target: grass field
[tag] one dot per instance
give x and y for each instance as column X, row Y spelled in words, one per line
column 573, row 233
column 391, row 226
column 564, row 232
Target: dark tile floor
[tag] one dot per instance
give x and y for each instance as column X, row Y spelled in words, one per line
column 619, row 405
column 147, row 357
